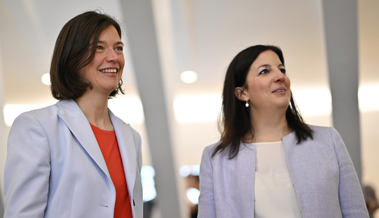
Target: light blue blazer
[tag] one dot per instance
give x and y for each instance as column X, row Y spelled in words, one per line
column 55, row 168
column 322, row 173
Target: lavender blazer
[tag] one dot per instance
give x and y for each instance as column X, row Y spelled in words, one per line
column 321, row 170
column 55, row 168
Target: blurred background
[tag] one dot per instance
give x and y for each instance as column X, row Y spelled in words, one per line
column 177, row 52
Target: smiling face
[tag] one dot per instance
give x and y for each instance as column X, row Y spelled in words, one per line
column 105, row 70
column 267, row 85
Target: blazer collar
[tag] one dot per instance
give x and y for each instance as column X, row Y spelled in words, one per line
column 78, row 124
column 80, row 128
column 127, row 146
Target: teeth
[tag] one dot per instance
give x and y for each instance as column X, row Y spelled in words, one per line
column 109, row 70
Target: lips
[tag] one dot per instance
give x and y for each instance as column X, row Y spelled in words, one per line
column 280, row 90
column 109, row 70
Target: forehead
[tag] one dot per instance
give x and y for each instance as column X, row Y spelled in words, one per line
column 267, row 57
column 109, row 32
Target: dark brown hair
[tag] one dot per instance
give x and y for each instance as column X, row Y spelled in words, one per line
column 74, row 49
column 235, row 118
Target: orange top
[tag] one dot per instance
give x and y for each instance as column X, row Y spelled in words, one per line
column 109, row 147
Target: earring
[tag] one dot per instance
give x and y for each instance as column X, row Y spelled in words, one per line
column 247, row 104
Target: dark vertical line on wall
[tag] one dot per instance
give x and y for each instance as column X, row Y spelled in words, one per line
column 341, row 35
column 143, row 47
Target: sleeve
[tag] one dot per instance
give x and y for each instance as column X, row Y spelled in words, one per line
column 350, row 192
column 27, row 169
column 206, row 199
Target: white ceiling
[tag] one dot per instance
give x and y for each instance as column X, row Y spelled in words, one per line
column 192, row 34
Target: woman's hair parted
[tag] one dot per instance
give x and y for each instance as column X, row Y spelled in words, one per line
column 235, row 117
column 74, row 49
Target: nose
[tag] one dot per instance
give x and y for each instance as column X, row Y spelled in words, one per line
column 279, row 76
column 113, row 55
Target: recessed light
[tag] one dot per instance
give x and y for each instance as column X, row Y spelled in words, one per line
column 45, row 79
column 188, row 76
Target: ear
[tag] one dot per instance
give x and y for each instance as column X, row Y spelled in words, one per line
column 241, row 94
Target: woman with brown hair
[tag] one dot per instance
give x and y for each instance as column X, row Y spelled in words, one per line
column 268, row 162
column 76, row 158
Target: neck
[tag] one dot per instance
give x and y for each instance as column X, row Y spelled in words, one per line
column 268, row 126
column 95, row 108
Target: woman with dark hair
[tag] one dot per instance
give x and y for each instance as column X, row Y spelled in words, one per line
column 75, row 158
column 268, row 162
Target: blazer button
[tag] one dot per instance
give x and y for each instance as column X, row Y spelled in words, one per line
column 134, row 203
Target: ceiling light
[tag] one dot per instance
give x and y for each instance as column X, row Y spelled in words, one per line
column 45, row 79
column 188, row 76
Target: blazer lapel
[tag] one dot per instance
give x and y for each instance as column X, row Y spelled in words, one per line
column 126, row 145
column 245, row 161
column 78, row 124
column 296, row 156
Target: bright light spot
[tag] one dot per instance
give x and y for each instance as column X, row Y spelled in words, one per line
column 313, row 101
column 148, row 184
column 11, row 111
column 368, row 97
column 188, row 76
column 197, row 108
column 187, row 170
column 45, row 79
column 128, row 108
column 193, row 195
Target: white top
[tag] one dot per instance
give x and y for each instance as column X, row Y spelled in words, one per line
column 274, row 192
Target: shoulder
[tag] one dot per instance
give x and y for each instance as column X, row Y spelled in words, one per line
column 321, row 129
column 35, row 127
column 322, row 135
column 36, row 115
column 324, row 132
column 208, row 150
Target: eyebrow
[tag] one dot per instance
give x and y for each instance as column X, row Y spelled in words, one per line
column 268, row 66
column 117, row 43
column 264, row 65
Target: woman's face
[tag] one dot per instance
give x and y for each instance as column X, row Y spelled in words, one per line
column 267, row 85
column 105, row 70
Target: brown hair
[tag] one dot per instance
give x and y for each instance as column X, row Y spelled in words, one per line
column 235, row 118
column 74, row 49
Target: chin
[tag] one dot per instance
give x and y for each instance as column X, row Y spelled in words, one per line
column 284, row 105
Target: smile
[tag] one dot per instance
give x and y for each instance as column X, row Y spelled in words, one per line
column 278, row 91
column 109, row 70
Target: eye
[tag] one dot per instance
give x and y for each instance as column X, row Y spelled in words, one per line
column 264, row 71
column 283, row 70
column 99, row 47
column 119, row 48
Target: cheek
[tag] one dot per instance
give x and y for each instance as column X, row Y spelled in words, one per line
column 288, row 82
column 255, row 89
column 97, row 59
column 122, row 64
column 122, row 61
